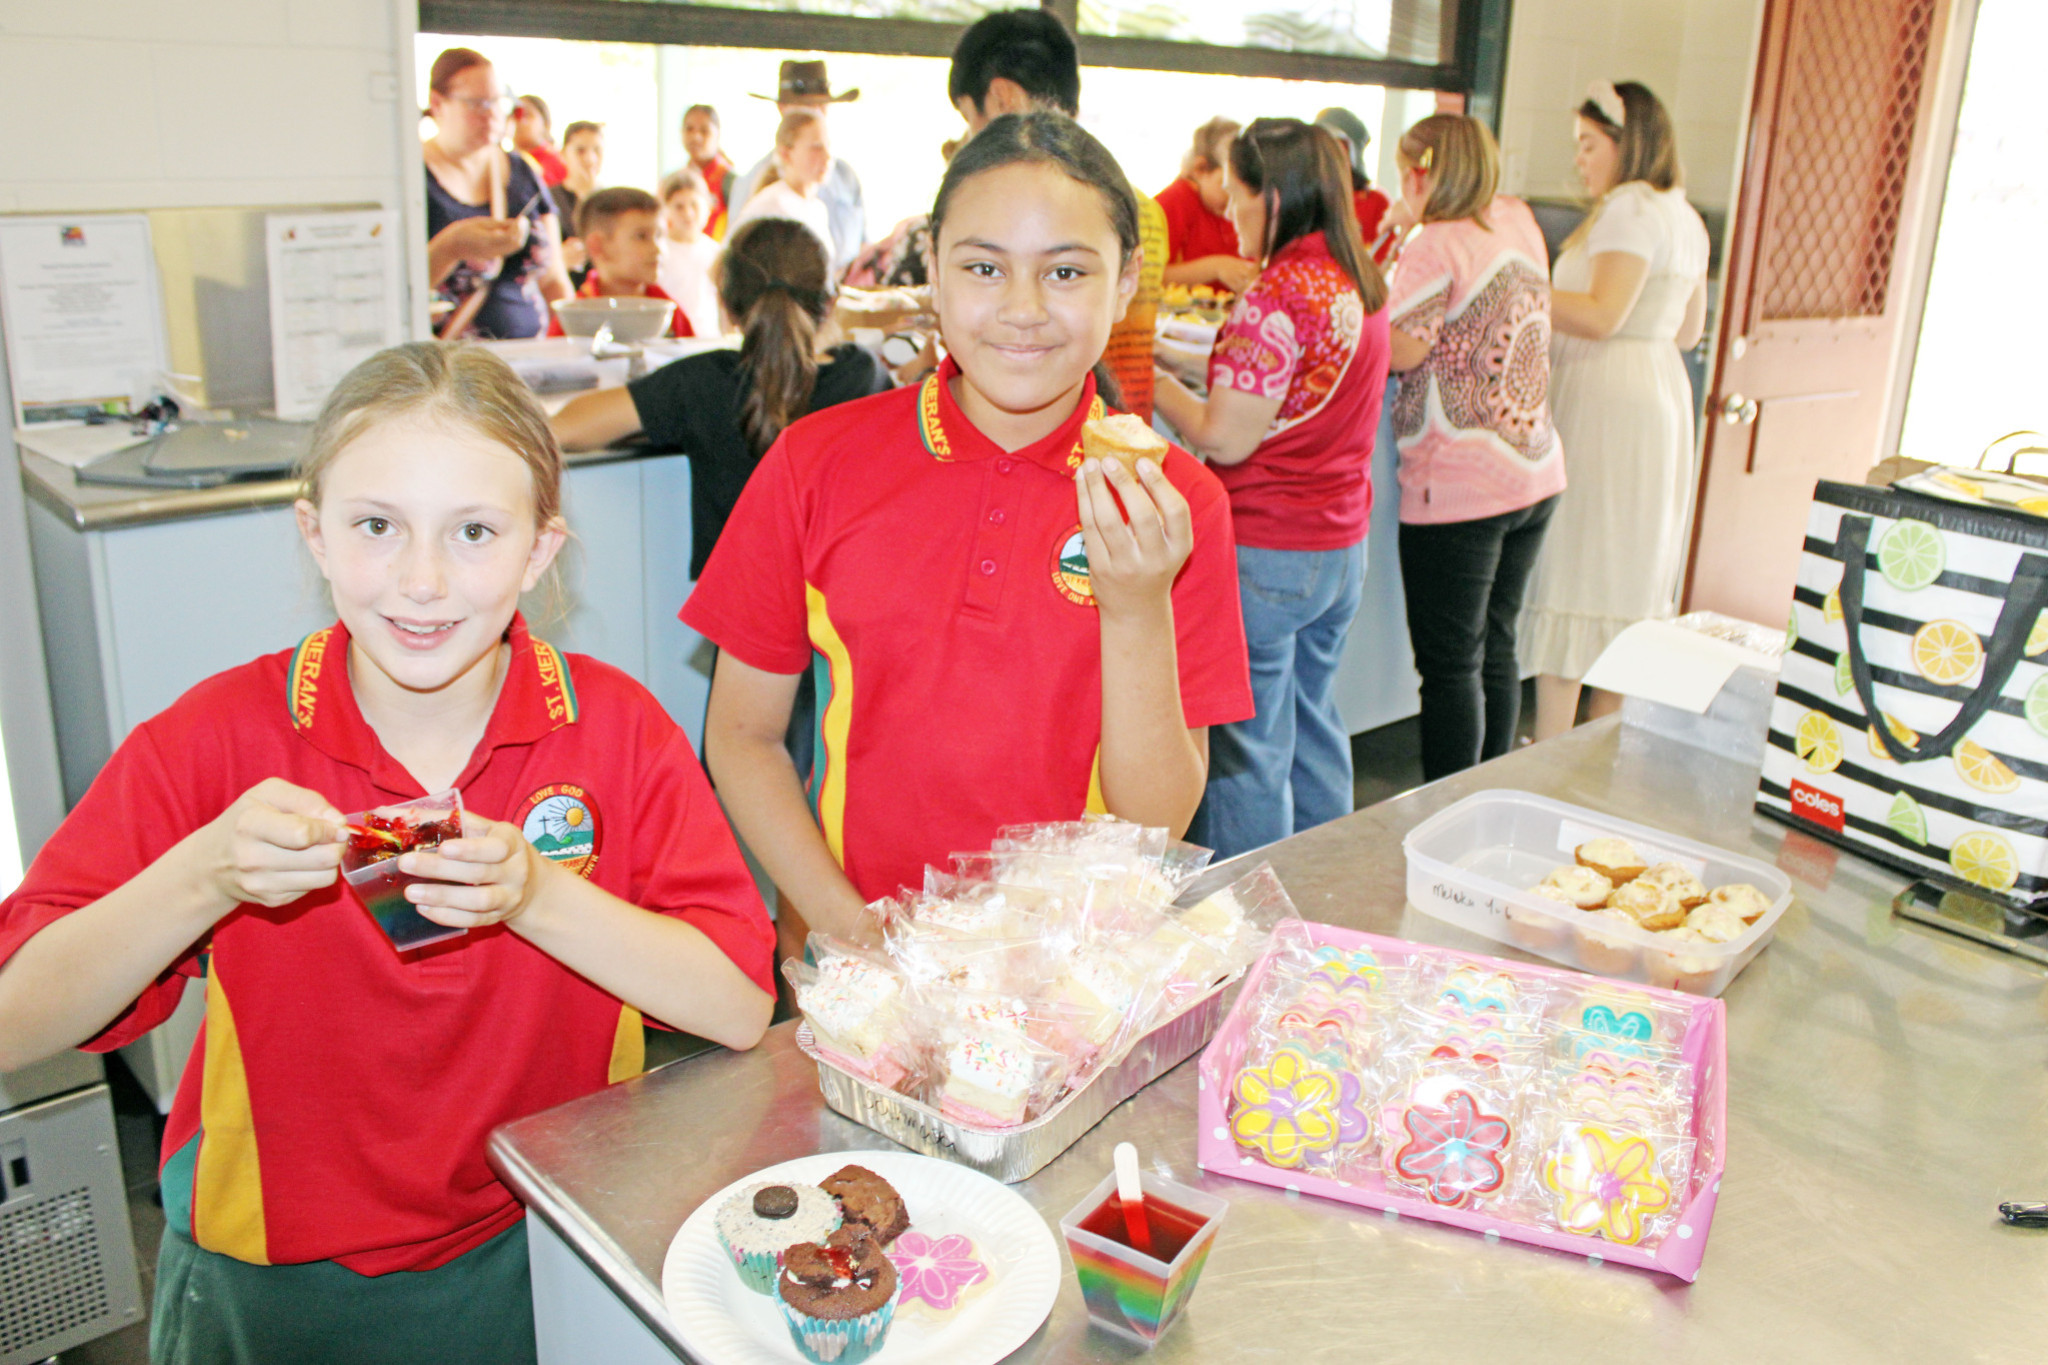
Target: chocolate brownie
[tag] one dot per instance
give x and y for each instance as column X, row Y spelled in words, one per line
column 865, row 1197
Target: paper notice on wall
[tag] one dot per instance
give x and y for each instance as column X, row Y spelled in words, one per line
column 83, row 311
column 334, row 299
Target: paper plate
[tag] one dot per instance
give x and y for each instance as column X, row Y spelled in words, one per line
column 723, row 1322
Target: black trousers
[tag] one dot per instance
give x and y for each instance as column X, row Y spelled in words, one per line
column 1464, row 581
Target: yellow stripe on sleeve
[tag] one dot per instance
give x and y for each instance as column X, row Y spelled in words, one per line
column 837, row 721
column 629, row 1048
column 227, row 1196
column 1096, row 804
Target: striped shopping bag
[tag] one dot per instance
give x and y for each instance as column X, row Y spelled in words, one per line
column 1911, row 722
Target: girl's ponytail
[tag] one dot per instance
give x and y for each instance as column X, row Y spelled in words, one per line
column 775, row 282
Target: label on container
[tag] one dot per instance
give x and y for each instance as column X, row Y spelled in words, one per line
column 1453, row 893
column 1570, row 834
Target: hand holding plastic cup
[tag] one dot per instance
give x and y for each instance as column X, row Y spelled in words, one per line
column 1132, row 1293
column 369, row 863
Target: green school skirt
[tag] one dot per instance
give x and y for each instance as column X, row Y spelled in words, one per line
column 214, row 1310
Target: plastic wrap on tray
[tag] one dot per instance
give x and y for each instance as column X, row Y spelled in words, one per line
column 1072, row 926
column 858, row 1009
column 1473, row 1085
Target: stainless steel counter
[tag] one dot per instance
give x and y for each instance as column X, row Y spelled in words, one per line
column 1888, row 1085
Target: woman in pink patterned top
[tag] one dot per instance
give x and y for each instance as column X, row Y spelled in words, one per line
column 1481, row 467
column 1295, row 385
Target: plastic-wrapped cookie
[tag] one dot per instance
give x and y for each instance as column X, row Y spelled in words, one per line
column 1577, row 886
column 1614, row 859
column 1679, row 880
column 1651, row 906
column 1744, row 899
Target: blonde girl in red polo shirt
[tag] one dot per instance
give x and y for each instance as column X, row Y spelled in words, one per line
column 992, row 641
column 324, row 1180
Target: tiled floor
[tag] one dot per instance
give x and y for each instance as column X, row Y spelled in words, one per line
column 1386, row 762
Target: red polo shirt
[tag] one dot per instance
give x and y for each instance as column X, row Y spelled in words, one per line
column 336, row 1103
column 939, row 587
column 1193, row 230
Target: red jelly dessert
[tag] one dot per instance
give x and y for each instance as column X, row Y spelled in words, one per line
column 1171, row 1226
column 386, row 836
column 374, row 841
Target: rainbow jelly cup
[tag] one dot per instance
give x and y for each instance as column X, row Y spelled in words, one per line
column 1134, row 1295
column 381, row 886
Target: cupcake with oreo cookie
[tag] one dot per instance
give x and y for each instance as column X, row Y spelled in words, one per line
column 839, row 1297
column 762, row 1221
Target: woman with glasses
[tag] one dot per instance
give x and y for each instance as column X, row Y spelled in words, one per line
column 494, row 248
column 1295, row 385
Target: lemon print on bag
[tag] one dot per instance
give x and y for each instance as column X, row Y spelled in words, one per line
column 1902, row 732
column 1911, row 556
column 1845, row 681
column 1985, row 859
column 1946, row 652
column 1818, row 742
column 1792, row 631
column 1906, row 819
column 2037, row 638
column 1976, row 766
column 1831, row 607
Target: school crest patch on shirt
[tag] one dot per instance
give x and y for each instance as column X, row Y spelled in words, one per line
column 562, row 822
column 1070, row 569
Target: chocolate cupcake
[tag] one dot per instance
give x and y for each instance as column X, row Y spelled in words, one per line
column 865, row 1197
column 838, row 1298
column 759, row 1223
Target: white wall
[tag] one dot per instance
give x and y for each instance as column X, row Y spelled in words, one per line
column 158, row 103
column 1695, row 54
column 143, row 104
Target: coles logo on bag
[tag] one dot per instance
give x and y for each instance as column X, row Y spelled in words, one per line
column 1817, row 806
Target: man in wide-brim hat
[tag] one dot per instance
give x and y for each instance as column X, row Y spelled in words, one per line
column 805, row 85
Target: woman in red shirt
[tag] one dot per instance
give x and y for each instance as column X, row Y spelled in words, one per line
column 1201, row 241
column 1295, row 385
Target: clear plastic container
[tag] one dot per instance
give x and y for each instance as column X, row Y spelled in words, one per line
column 1469, row 865
column 1128, row 1292
column 372, row 871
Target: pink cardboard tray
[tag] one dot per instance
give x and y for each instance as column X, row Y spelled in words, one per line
column 1705, row 1047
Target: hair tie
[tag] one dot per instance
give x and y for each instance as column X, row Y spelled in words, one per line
column 812, row 299
column 1603, row 96
column 1427, row 160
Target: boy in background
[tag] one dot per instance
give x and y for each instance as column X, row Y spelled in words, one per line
column 620, row 228
column 688, row 250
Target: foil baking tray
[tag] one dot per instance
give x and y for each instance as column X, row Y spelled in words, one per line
column 1013, row 1154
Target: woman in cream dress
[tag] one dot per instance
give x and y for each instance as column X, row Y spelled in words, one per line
column 1628, row 296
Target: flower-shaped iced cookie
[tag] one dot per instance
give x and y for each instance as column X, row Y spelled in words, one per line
column 1606, row 1183
column 1453, row 1152
column 1346, row 969
column 935, row 1272
column 1288, row 1108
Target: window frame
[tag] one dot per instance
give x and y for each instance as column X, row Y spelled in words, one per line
column 1478, row 40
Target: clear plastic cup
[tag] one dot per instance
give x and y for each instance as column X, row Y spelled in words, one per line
column 372, row 872
column 1135, row 1295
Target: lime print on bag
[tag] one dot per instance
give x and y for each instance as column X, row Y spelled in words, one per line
column 1923, row 627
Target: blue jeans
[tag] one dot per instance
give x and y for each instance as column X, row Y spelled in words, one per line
column 1288, row 768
